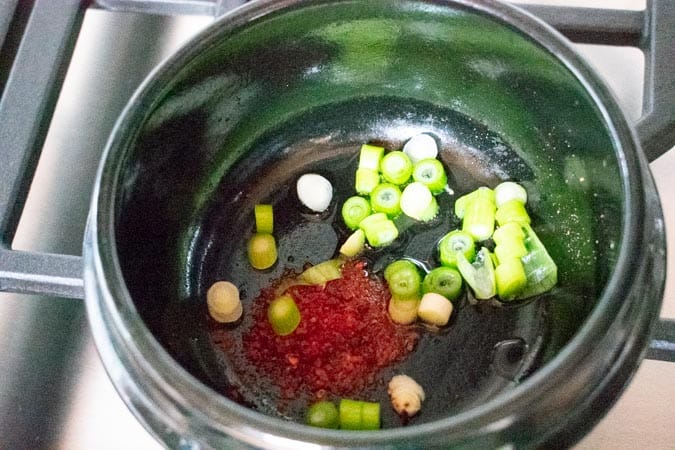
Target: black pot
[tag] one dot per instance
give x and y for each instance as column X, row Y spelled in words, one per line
column 277, row 89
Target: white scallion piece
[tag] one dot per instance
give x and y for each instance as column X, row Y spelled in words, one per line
column 509, row 190
column 421, row 146
column 406, row 395
column 314, row 191
column 418, row 203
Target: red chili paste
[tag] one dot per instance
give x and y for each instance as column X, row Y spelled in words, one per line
column 345, row 337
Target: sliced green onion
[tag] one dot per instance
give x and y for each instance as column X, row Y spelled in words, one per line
column 354, row 244
column 396, row 167
column 283, row 314
column 370, row 157
column 431, row 173
column 386, row 198
column 418, row 203
column 509, row 190
column 404, row 279
column 322, row 272
column 359, row 415
column 444, row 281
column 370, row 416
column 514, row 248
column 223, row 302
column 323, row 414
column 480, row 276
column 508, row 232
column 366, row 180
column 262, row 251
column 512, row 211
column 479, row 214
column 421, row 146
column 264, row 219
column 434, row 309
column 354, row 210
column 379, row 230
column 461, row 202
column 403, row 311
column 456, row 242
column 510, row 278
column 540, row 269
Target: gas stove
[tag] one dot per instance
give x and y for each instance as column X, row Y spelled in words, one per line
column 54, row 391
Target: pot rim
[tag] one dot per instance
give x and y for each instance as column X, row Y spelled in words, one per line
column 174, row 384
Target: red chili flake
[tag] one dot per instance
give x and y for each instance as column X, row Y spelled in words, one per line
column 344, row 339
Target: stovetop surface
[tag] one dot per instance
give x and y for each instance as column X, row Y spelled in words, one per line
column 54, row 392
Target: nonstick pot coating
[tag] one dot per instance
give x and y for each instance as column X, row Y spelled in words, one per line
column 300, row 92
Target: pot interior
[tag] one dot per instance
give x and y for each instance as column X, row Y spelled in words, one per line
column 239, row 116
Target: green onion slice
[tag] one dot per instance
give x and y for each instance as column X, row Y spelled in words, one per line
column 283, row 315
column 404, row 279
column 512, row 211
column 510, row 278
column 396, row 167
column 431, row 173
column 480, row 275
column 418, row 203
column 370, row 157
column 262, row 251
column 264, row 218
column 386, row 198
column 435, row 309
column 403, row 311
column 509, row 190
column 456, row 242
column 445, row 281
column 323, row 414
column 354, row 244
column 354, row 210
column 366, row 180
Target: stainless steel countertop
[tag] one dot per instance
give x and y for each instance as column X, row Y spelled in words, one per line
column 54, row 391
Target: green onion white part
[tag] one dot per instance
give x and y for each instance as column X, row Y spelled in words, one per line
column 406, row 395
column 222, row 300
column 314, row 191
column 354, row 244
column 418, row 203
column 421, row 146
column 434, row 309
column 509, row 190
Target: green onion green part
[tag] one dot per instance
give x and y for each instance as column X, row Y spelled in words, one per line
column 404, row 279
column 479, row 275
column 512, row 211
column 264, row 218
column 323, row 414
column 379, row 229
column 444, row 281
column 540, row 269
column 262, row 251
column 431, row 173
column 354, row 210
column 456, row 242
column 386, row 198
column 510, row 278
column 366, row 180
column 283, row 315
column 396, row 167
column 508, row 232
column 323, row 272
column 370, row 157
column 359, row 415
